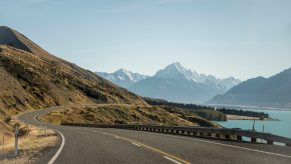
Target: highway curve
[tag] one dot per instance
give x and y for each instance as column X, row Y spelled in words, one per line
column 93, row 145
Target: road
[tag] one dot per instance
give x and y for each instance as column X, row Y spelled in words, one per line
column 94, row 145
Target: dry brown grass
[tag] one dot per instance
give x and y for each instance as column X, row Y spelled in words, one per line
column 117, row 114
column 31, row 144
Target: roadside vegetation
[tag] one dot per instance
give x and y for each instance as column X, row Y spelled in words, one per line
column 126, row 114
column 208, row 112
column 260, row 115
column 32, row 142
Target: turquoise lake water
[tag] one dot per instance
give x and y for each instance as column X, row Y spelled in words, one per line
column 281, row 127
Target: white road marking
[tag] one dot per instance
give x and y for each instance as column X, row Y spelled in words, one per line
column 104, row 133
column 136, row 144
column 172, row 160
column 53, row 159
column 221, row 144
column 150, row 148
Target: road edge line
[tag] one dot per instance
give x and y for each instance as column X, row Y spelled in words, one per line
column 54, row 158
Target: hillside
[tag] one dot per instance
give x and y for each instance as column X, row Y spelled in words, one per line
column 274, row 91
column 127, row 114
column 31, row 78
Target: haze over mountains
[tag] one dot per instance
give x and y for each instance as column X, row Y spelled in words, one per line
column 274, row 91
column 175, row 83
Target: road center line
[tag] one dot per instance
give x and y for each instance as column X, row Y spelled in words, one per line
column 172, row 160
column 136, row 144
column 181, row 161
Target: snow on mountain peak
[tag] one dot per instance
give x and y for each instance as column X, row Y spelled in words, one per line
column 177, row 71
column 124, row 74
column 122, row 77
column 127, row 78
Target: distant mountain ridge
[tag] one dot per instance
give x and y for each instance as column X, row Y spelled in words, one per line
column 173, row 83
column 122, row 77
column 274, row 91
column 177, row 71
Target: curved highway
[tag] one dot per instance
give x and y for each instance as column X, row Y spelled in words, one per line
column 93, row 145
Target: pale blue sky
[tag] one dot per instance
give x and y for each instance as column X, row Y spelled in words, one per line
column 240, row 38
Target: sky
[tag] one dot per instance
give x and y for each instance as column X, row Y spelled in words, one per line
column 240, row 38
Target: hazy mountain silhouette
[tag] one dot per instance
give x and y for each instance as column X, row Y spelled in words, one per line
column 269, row 92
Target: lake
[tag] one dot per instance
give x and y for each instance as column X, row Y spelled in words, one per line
column 282, row 127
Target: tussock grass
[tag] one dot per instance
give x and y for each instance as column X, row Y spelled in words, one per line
column 31, row 143
column 119, row 114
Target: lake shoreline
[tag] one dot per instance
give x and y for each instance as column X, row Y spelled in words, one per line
column 238, row 117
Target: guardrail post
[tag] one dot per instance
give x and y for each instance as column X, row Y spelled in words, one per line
column 16, row 141
column 253, row 140
column 270, row 142
column 3, row 140
column 239, row 138
column 45, row 132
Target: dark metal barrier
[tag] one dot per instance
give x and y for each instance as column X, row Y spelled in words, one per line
column 219, row 133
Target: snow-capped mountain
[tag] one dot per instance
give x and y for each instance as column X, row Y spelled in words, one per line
column 177, row 71
column 178, row 84
column 122, row 77
column 173, row 83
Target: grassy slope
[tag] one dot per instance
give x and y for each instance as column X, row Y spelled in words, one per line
column 31, row 78
column 31, row 82
column 125, row 114
column 205, row 112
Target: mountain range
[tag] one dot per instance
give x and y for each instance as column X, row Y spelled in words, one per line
column 173, row 83
column 274, row 91
column 123, row 77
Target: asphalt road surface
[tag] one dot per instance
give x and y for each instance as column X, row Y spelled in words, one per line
column 94, row 145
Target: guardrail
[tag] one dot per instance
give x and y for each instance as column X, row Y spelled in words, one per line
column 216, row 133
